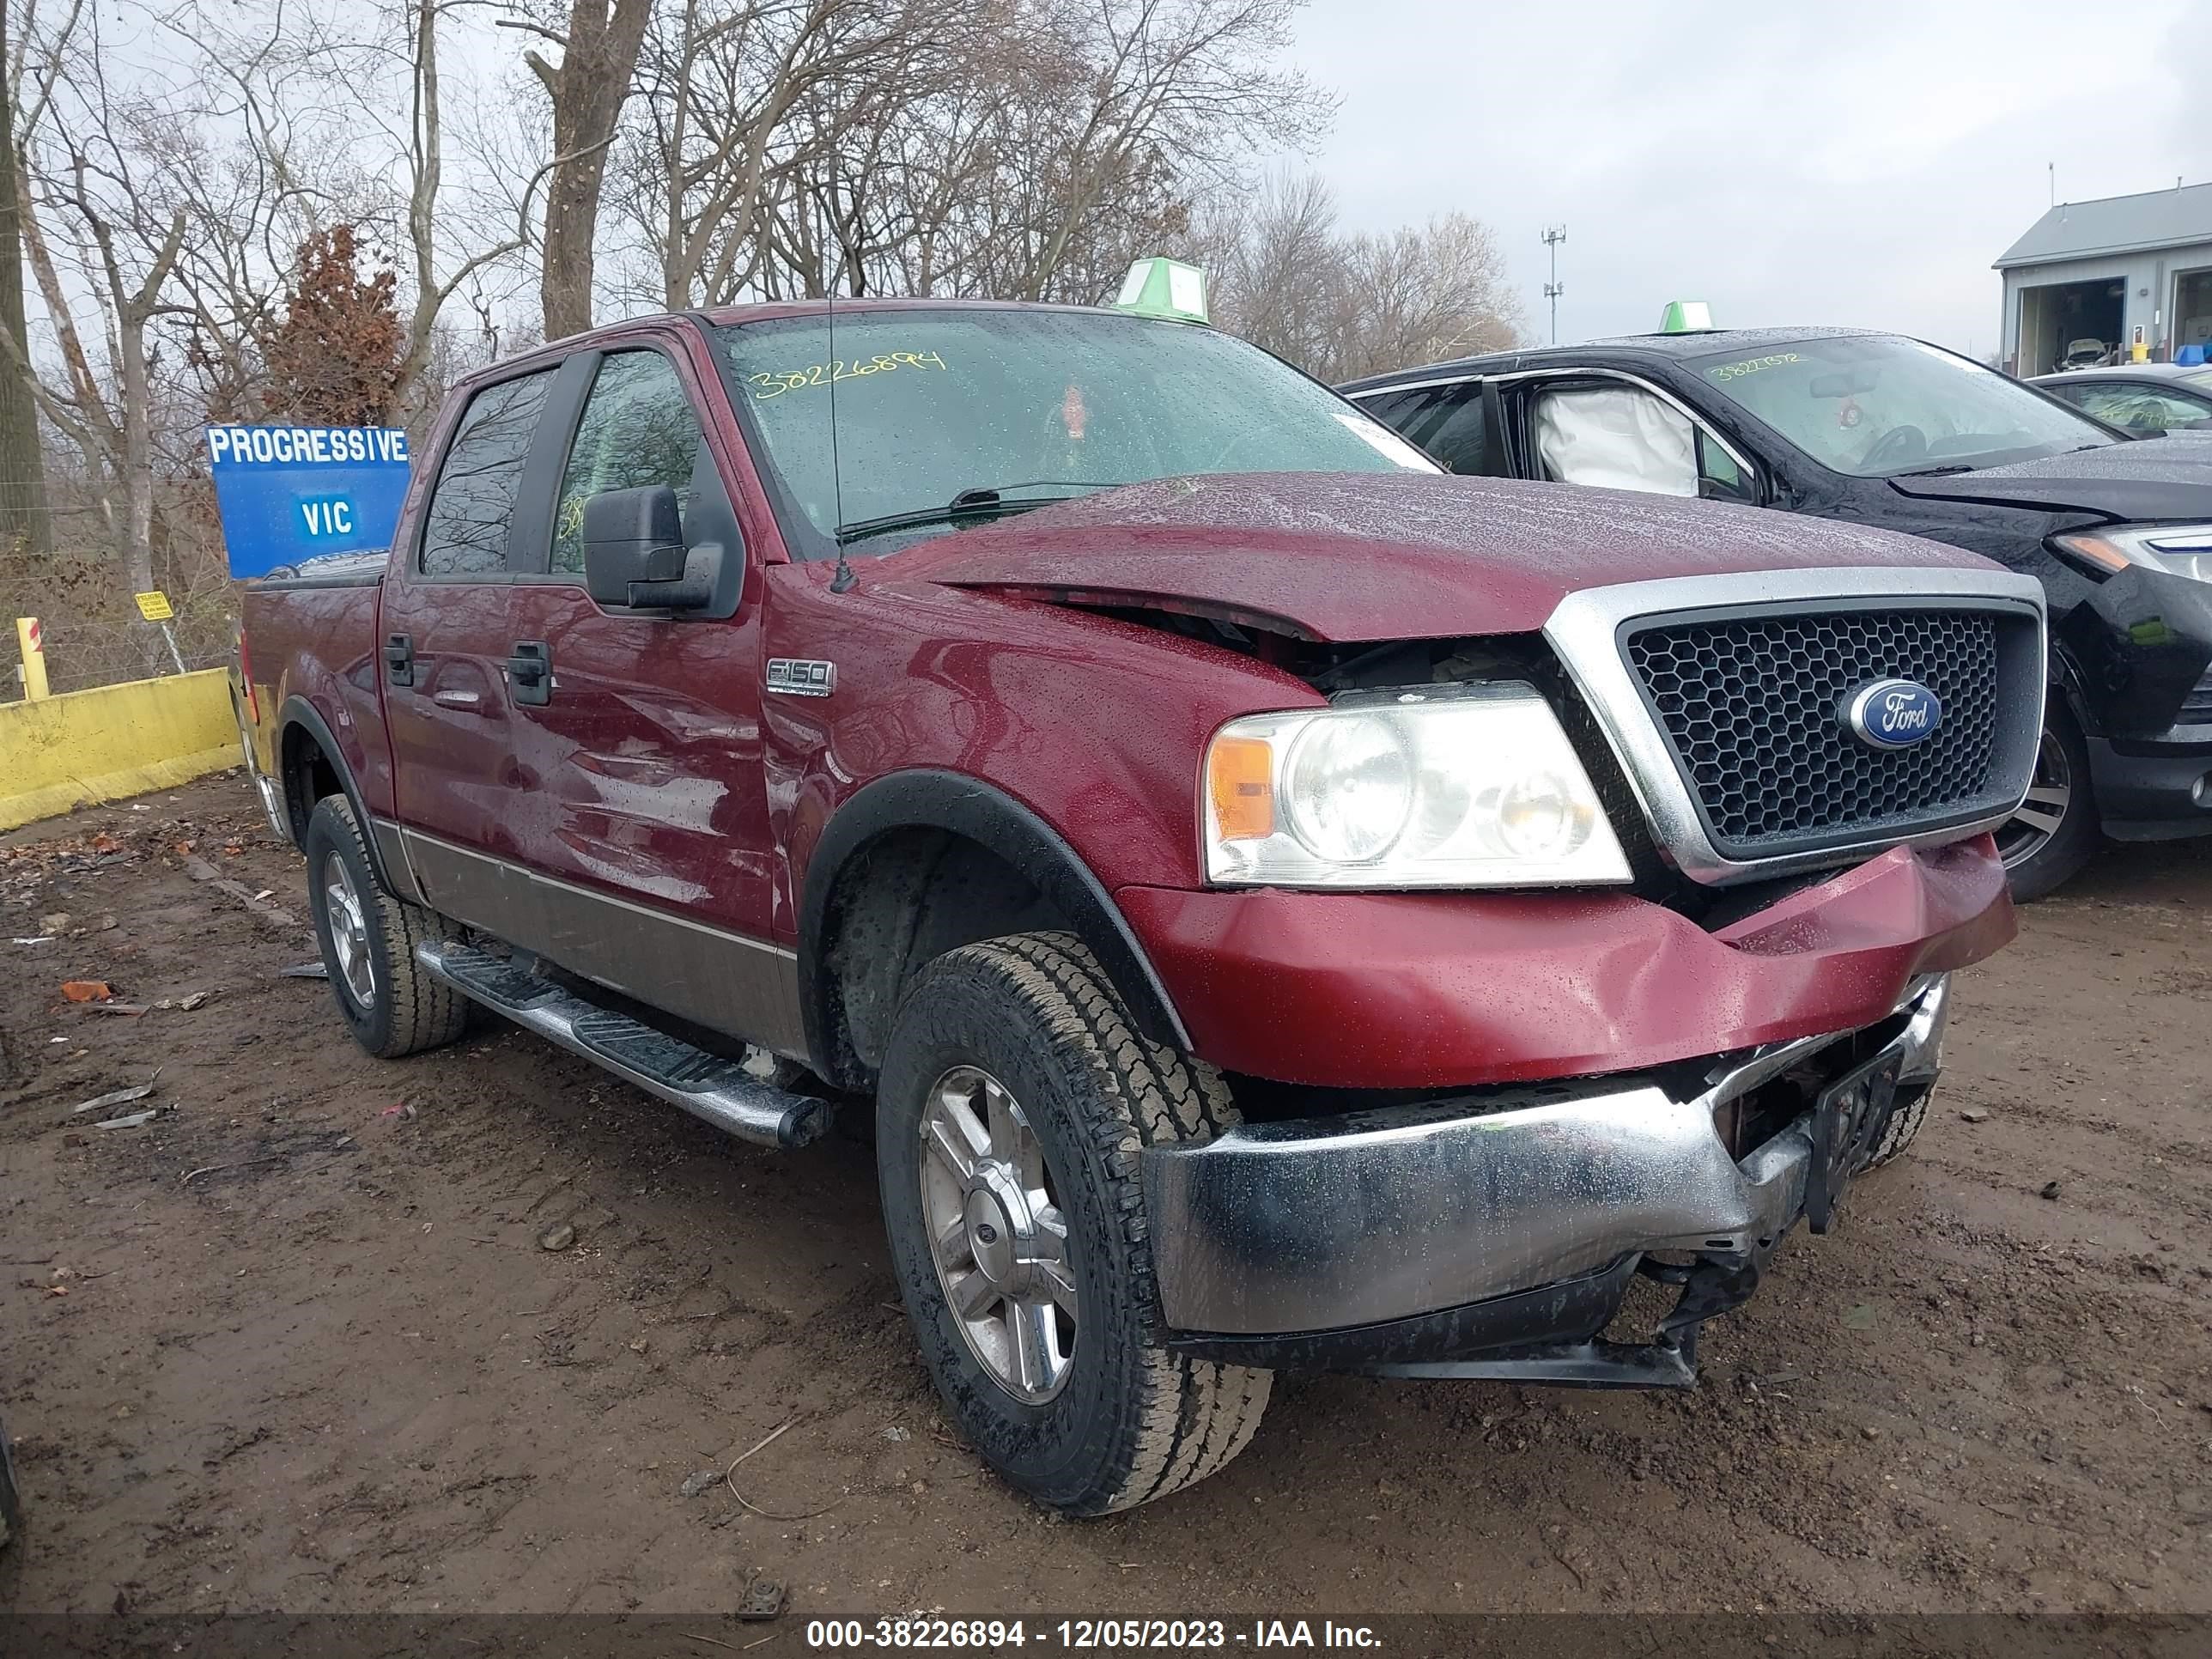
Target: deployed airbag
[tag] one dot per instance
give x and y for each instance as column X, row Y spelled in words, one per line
column 1618, row 438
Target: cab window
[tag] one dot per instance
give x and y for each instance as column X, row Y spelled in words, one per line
column 638, row 428
column 471, row 513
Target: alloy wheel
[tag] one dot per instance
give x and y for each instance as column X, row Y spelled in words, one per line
column 2050, row 796
column 997, row 1234
column 348, row 921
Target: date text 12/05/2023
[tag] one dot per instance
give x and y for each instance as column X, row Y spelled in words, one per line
column 989, row 1635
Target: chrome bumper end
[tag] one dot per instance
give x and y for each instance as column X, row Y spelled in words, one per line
column 1321, row 1224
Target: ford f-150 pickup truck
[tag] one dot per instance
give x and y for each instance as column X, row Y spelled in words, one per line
column 1290, row 907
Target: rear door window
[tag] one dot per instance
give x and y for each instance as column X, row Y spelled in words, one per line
column 1447, row 420
column 471, row 520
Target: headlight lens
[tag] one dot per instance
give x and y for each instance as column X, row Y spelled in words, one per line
column 1443, row 787
column 2180, row 550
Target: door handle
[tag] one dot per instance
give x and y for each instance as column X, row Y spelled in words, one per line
column 468, row 700
column 530, row 673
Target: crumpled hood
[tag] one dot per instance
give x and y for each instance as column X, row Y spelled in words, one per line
column 1374, row 557
column 2151, row 479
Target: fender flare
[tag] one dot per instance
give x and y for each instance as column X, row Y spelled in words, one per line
column 967, row 807
column 298, row 711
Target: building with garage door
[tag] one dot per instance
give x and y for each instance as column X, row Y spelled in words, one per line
column 2109, row 273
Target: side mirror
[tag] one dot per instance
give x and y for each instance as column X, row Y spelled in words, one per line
column 634, row 556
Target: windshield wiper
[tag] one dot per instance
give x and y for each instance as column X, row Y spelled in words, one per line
column 1943, row 472
column 979, row 501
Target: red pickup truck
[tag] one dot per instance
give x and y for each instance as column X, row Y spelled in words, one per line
column 1289, row 906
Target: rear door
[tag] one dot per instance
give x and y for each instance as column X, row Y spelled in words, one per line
column 445, row 639
column 640, row 808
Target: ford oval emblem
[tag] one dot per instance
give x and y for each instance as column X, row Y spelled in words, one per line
column 1893, row 713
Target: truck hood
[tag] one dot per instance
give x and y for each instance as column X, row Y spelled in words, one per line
column 1375, row 556
column 2154, row 479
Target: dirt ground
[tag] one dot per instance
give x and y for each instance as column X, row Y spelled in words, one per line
column 298, row 1344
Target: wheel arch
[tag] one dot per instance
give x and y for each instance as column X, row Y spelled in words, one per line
column 308, row 758
column 916, row 863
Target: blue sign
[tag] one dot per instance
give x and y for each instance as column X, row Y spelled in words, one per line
column 1893, row 713
column 288, row 493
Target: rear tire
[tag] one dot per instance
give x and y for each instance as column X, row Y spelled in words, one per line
column 1013, row 1105
column 390, row 1004
column 2056, row 830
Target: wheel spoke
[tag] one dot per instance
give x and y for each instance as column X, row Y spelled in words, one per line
column 2051, row 794
column 2045, row 823
column 971, row 1294
column 1006, row 1133
column 1036, row 1344
column 950, row 1147
column 951, row 1246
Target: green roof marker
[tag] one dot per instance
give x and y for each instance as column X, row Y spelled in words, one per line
column 1164, row 288
column 1686, row 317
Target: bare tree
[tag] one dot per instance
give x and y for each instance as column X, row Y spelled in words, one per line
column 23, row 523
column 1342, row 306
column 587, row 90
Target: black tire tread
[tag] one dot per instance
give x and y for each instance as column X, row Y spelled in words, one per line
column 426, row 1013
column 1904, row 1125
column 1192, row 1416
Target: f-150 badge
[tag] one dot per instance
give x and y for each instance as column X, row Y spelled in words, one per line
column 795, row 676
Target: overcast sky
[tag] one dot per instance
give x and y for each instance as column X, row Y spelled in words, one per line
column 1859, row 164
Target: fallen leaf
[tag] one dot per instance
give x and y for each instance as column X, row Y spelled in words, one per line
column 88, row 990
column 104, row 842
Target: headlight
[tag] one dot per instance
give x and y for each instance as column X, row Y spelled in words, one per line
column 2180, row 550
column 1441, row 787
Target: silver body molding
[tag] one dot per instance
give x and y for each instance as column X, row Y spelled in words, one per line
column 1584, row 630
column 1321, row 1224
column 743, row 987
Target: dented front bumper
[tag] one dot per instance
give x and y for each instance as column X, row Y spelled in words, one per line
column 1511, row 1217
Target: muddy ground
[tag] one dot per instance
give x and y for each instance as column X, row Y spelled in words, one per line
column 296, row 1343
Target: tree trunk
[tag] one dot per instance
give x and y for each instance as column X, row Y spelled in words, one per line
column 23, row 523
column 588, row 89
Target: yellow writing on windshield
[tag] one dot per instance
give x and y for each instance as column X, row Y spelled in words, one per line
column 1752, row 366
column 776, row 383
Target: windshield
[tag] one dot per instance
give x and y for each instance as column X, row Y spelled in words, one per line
column 1876, row 406
column 935, row 403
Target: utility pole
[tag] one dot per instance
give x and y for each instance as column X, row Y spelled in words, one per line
column 1554, row 235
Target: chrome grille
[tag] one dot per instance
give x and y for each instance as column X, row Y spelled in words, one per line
column 1751, row 705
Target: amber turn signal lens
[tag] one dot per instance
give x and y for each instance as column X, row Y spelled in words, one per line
column 1240, row 777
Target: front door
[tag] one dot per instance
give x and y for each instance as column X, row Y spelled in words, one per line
column 640, row 808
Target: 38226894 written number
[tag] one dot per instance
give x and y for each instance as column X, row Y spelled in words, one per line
column 776, row 383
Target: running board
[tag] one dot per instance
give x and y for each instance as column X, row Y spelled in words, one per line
column 722, row 1091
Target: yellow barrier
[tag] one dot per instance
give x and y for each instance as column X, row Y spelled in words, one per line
column 113, row 741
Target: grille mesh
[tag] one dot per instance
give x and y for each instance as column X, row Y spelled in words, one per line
column 1753, row 708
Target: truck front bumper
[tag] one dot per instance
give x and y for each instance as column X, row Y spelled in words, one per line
column 1512, row 1216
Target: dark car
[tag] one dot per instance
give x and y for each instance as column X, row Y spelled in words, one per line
column 1255, row 876
column 2139, row 398
column 1896, row 434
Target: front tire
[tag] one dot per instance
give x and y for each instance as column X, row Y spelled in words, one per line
column 1013, row 1105
column 2057, row 828
column 392, row 1007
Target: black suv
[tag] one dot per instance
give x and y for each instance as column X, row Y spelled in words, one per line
column 1893, row 431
